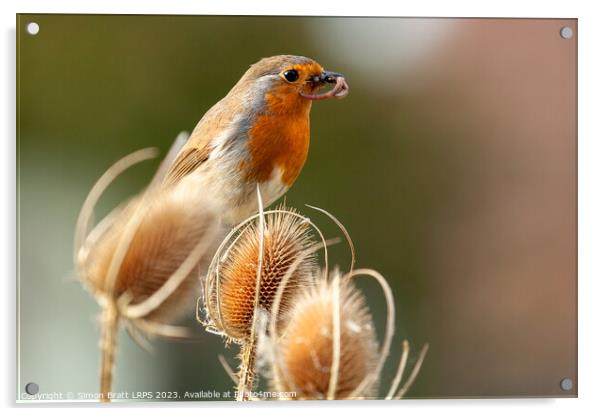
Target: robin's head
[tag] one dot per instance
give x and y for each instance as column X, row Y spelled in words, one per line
column 290, row 80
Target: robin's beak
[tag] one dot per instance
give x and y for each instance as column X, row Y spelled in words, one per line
column 330, row 77
column 340, row 89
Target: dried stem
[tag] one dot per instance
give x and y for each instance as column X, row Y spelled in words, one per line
column 108, row 346
column 246, row 375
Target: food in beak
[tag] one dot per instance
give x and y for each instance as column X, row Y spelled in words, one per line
column 340, row 90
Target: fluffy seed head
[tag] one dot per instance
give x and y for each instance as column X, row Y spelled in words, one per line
column 169, row 227
column 304, row 353
column 232, row 285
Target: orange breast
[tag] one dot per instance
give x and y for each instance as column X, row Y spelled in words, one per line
column 279, row 138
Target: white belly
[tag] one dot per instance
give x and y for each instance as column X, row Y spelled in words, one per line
column 235, row 197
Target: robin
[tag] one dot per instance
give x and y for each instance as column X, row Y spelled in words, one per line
column 256, row 136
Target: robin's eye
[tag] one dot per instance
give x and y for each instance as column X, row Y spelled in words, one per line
column 291, row 75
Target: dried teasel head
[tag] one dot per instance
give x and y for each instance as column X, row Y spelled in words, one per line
column 329, row 349
column 242, row 279
column 170, row 233
column 141, row 262
column 147, row 253
column 329, row 330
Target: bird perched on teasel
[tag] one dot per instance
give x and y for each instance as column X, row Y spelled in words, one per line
column 256, row 136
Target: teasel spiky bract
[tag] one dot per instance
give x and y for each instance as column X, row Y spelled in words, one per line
column 247, row 272
column 141, row 262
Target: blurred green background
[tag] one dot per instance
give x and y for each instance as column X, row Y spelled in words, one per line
column 452, row 163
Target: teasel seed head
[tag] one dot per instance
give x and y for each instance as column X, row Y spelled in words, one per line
column 305, row 352
column 141, row 261
column 232, row 281
column 147, row 253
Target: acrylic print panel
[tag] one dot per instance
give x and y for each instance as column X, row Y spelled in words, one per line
column 444, row 148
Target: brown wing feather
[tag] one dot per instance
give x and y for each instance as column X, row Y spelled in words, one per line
column 197, row 149
column 186, row 162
